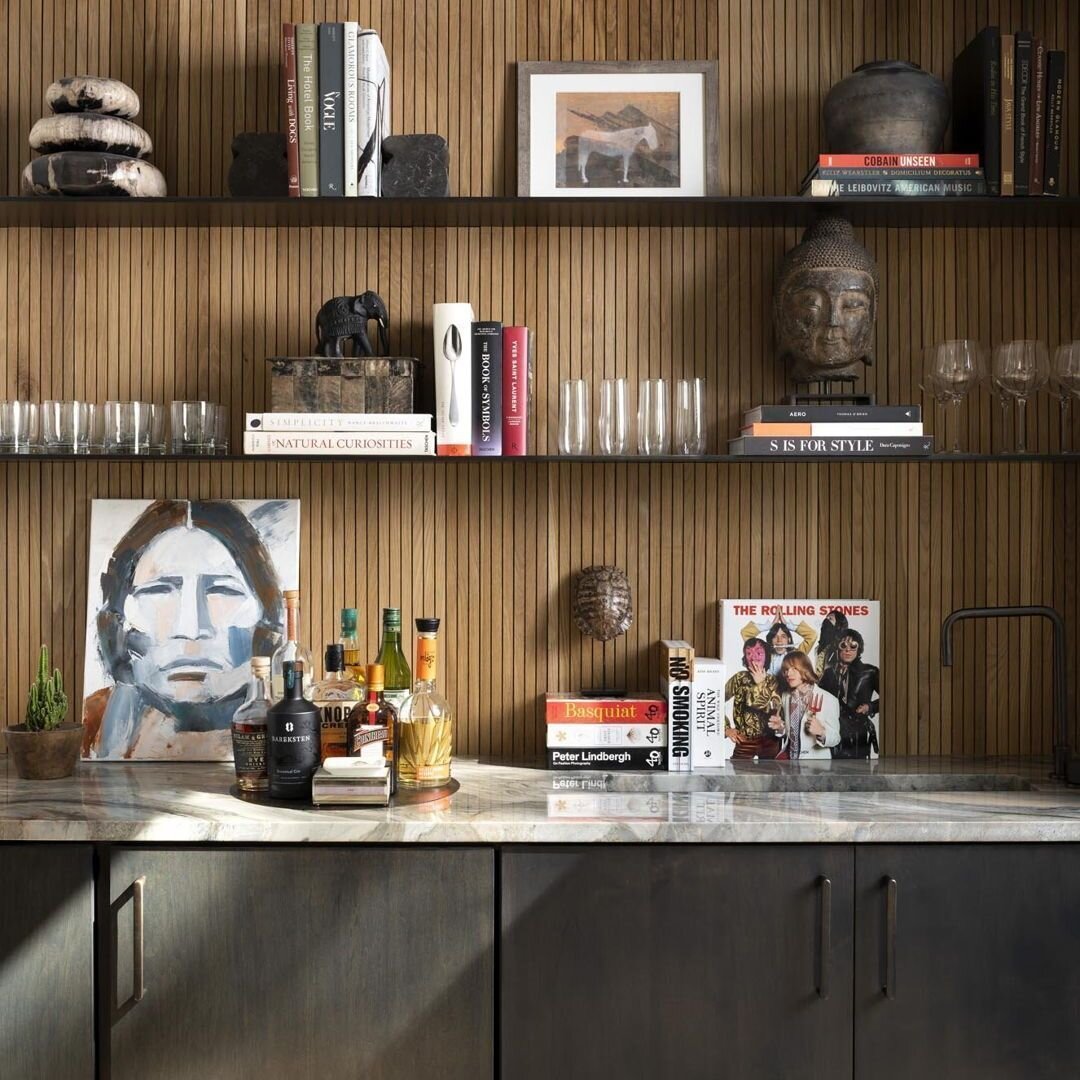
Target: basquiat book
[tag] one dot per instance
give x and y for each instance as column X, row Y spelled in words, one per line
column 803, row 678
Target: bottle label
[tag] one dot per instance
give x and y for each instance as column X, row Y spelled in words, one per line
column 333, row 720
column 249, row 753
column 425, row 659
column 395, row 697
column 369, row 742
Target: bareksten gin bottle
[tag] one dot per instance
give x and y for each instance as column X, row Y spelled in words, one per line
column 425, row 742
column 249, row 729
column 396, row 674
column 292, row 739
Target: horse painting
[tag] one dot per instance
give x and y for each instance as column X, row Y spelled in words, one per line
column 614, row 144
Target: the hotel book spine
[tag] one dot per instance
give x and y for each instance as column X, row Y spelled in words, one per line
column 307, row 65
column 1055, row 116
column 487, row 389
column 331, row 95
column 515, row 391
column 292, row 107
column 1023, row 112
column 359, row 444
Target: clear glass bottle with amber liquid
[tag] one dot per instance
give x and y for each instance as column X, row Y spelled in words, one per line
column 350, row 642
column 425, row 743
column 335, row 696
column 291, row 649
column 249, row 729
column 371, row 715
column 395, row 667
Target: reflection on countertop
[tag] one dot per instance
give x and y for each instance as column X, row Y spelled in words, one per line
column 890, row 800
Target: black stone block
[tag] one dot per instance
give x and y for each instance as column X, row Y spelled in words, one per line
column 415, row 166
column 260, row 164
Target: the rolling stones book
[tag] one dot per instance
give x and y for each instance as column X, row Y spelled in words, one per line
column 803, row 677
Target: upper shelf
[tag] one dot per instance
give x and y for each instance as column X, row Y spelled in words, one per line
column 771, row 210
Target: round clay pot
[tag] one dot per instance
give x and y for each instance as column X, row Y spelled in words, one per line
column 887, row 107
column 45, row 755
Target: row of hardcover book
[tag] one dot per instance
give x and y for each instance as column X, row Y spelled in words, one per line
column 833, row 431
column 880, row 175
column 337, row 108
column 1009, row 108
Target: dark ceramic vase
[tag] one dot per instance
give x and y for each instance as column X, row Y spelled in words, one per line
column 887, row 107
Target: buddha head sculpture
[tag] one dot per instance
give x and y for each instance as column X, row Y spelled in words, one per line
column 825, row 304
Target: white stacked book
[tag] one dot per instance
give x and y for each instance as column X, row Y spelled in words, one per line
column 351, row 781
column 333, row 434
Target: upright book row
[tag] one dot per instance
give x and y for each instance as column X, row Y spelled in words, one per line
column 337, row 108
column 1009, row 104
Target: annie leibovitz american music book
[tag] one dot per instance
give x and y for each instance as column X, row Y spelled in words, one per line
column 816, row 662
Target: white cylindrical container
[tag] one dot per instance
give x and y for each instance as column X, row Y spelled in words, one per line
column 452, row 327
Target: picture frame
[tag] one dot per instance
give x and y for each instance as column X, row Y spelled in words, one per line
column 618, row 129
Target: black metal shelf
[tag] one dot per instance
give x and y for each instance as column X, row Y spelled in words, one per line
column 532, row 459
column 726, row 211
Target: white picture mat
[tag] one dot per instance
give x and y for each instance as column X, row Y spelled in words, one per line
column 543, row 151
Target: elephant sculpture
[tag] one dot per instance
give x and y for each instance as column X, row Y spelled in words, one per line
column 348, row 317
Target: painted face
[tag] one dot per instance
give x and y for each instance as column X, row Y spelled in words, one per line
column 190, row 618
column 827, row 319
column 848, row 650
column 755, row 654
column 793, row 677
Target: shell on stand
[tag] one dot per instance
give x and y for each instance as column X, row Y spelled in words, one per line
column 603, row 602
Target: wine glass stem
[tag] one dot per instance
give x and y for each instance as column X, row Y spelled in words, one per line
column 956, row 425
column 1021, row 425
column 1066, row 435
column 1004, row 422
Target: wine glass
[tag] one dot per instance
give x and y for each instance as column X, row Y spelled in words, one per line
column 953, row 370
column 1021, row 368
column 1065, row 385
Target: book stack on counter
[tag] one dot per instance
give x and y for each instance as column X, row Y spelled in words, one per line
column 334, row 434
column 352, row 781
column 337, row 108
column 853, row 176
column 606, row 733
column 1009, row 108
column 867, row 431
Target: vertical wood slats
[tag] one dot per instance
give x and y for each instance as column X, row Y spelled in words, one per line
column 492, row 547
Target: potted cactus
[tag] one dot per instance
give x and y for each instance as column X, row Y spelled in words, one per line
column 45, row 747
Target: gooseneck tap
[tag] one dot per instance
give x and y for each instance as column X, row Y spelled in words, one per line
column 1064, row 768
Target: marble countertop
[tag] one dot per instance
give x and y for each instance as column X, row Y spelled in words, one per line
column 185, row 803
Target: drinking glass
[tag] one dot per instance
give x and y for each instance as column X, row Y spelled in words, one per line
column 1065, row 385
column 221, row 430
column 18, row 427
column 132, row 427
column 193, row 426
column 574, row 417
column 953, row 370
column 613, row 425
column 654, row 435
column 690, row 417
column 1021, row 368
column 67, row 426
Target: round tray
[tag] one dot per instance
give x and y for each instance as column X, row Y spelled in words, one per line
column 401, row 798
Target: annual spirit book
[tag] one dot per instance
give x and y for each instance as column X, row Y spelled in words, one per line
column 709, row 747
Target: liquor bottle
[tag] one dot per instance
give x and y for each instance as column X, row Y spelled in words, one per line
column 395, row 667
column 354, row 664
column 334, row 697
column 291, row 648
column 425, row 730
column 249, row 729
column 376, row 712
column 292, row 739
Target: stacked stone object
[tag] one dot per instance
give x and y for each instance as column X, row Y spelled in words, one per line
column 90, row 144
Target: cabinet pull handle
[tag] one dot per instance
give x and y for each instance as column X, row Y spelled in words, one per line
column 825, row 956
column 137, row 944
column 889, row 987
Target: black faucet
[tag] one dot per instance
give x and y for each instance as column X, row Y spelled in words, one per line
column 1065, row 768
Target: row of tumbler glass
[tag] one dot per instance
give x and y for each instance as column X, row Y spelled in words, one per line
column 116, row 427
column 613, row 425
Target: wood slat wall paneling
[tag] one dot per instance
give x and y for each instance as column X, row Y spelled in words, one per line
column 164, row 312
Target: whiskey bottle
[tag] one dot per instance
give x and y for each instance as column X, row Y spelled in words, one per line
column 292, row 739
column 373, row 714
column 395, row 667
column 291, row 648
column 350, row 642
column 334, row 697
column 249, row 729
column 425, row 730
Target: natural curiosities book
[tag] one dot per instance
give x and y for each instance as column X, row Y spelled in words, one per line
column 315, row 443
column 841, row 640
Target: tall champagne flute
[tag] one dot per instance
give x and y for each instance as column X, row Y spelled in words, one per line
column 613, row 423
column 1021, row 368
column 1065, row 385
column 953, row 370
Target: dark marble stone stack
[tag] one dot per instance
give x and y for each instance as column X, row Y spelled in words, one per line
column 415, row 167
column 90, row 145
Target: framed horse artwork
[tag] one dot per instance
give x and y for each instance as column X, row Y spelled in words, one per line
column 618, row 128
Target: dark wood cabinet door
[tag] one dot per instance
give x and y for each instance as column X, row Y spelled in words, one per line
column 317, row 962
column 46, row 961
column 982, row 962
column 688, row 962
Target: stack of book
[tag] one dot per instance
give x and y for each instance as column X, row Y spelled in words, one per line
column 337, row 108
column 847, row 176
column 833, row 431
column 606, row 733
column 351, row 781
column 1008, row 107
column 323, row 434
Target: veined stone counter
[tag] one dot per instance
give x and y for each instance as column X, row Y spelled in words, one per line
column 767, row 803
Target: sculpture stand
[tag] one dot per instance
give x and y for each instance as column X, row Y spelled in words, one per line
column 822, row 392
column 603, row 690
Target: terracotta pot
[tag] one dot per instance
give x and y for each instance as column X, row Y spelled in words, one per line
column 45, row 755
column 887, row 107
